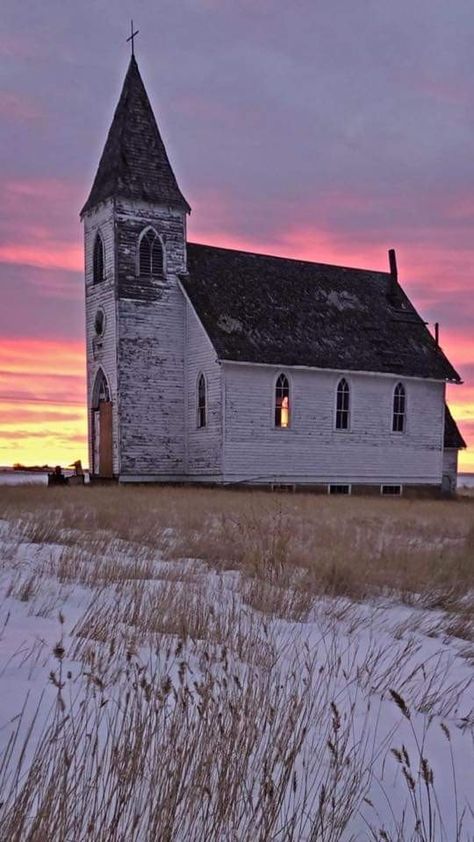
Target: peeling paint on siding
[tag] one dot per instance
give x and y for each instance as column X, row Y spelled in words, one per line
column 311, row 449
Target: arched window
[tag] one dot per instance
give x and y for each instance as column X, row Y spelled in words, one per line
column 100, row 391
column 150, row 255
column 282, row 402
column 399, row 408
column 98, row 259
column 201, row 401
column 342, row 405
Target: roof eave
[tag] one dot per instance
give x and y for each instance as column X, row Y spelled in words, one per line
column 91, row 205
column 368, row 372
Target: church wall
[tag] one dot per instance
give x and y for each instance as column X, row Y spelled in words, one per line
column 450, row 470
column 101, row 351
column 311, row 450
column 150, row 346
column 204, row 444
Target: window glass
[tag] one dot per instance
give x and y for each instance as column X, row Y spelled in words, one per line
column 342, row 405
column 98, row 261
column 282, row 402
column 150, row 257
column 399, row 402
column 201, row 401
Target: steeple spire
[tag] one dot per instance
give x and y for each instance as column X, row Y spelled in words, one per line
column 134, row 163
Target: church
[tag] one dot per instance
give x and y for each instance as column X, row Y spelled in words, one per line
column 218, row 366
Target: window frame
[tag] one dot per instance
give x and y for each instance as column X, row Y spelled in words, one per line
column 276, row 379
column 347, row 429
column 98, row 335
column 98, row 239
column 384, row 489
column 151, row 275
column 339, row 485
column 201, row 410
column 396, row 414
column 100, row 382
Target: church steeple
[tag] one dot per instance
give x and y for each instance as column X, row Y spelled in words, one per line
column 134, row 164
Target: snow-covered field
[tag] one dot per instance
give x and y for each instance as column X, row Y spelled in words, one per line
column 23, row 478
column 465, row 483
column 146, row 695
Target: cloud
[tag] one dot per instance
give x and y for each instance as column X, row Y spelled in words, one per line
column 329, row 131
column 51, row 255
column 36, row 226
column 42, row 401
column 15, row 107
column 11, row 413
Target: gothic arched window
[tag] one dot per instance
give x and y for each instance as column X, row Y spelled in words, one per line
column 100, row 390
column 150, row 255
column 399, row 407
column 98, row 259
column 282, row 401
column 342, row 405
column 201, row 401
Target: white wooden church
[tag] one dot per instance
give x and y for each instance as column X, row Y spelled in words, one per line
column 212, row 365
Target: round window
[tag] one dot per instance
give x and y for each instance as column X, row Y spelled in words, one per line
column 99, row 323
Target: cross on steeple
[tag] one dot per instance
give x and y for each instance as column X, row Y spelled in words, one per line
column 132, row 37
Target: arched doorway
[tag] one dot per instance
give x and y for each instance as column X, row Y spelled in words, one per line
column 101, row 427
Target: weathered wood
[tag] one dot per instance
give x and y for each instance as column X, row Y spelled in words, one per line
column 106, row 438
column 316, row 323
column 311, row 449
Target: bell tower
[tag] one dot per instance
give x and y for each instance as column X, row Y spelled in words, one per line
column 135, row 249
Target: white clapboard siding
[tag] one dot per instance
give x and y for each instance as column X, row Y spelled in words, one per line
column 450, row 470
column 152, row 385
column 311, row 450
column 203, row 445
column 150, row 346
column 101, row 352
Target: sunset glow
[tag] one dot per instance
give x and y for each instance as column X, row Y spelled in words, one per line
column 299, row 134
column 42, row 402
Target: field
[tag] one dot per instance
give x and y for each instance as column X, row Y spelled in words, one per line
column 193, row 664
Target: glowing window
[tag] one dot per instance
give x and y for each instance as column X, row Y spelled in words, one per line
column 282, row 402
column 399, row 407
column 342, row 405
column 150, row 257
column 201, row 401
column 98, row 259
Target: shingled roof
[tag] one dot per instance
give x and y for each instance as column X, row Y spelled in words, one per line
column 452, row 437
column 134, row 163
column 261, row 309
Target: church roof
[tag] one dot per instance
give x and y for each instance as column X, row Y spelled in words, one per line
column 274, row 310
column 134, row 163
column 452, row 437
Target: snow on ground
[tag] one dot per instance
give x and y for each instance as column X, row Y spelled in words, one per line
column 23, row 478
column 408, row 747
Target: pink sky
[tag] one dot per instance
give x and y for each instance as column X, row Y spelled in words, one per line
column 330, row 132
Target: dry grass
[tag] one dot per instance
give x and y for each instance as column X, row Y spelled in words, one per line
column 419, row 550
column 183, row 709
column 177, row 758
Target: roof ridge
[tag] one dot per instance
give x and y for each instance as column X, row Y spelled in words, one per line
column 290, row 259
column 282, row 311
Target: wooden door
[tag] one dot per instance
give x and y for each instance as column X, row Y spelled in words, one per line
column 105, row 439
column 96, row 442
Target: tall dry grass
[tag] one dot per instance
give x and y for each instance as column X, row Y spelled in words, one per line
column 182, row 708
column 422, row 551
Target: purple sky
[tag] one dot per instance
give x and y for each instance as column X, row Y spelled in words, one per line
column 330, row 130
